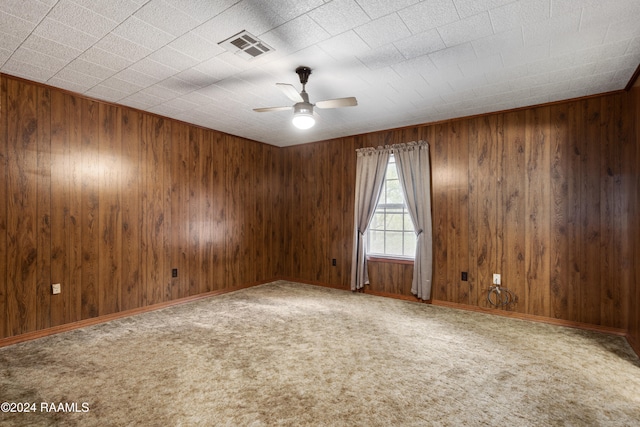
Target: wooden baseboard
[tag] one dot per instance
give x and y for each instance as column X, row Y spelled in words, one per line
column 635, row 345
column 365, row 290
column 315, row 283
column 534, row 318
column 494, row 311
column 412, row 298
column 127, row 313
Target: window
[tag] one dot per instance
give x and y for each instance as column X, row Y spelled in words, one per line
column 391, row 232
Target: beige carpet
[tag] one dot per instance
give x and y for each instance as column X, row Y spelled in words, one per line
column 293, row 354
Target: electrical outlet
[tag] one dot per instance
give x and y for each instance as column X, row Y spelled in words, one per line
column 465, row 277
column 174, row 272
column 496, row 279
column 333, row 262
column 56, row 288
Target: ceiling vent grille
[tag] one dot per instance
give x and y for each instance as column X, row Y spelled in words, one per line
column 246, row 45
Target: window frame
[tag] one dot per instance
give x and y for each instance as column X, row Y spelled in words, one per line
column 382, row 257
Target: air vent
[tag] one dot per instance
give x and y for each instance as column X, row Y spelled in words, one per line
column 246, row 45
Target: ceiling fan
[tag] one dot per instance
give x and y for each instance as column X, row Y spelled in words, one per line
column 302, row 109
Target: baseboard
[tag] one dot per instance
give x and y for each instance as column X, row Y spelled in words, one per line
column 534, row 318
column 493, row 311
column 412, row 298
column 127, row 313
column 315, row 283
column 635, row 345
column 364, row 291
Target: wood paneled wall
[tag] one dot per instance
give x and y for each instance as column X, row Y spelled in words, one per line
column 107, row 200
column 318, row 211
column 634, row 228
column 542, row 196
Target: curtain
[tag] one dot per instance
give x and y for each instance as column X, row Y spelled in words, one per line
column 371, row 166
column 414, row 173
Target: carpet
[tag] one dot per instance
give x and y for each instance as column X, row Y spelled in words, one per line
column 293, row 355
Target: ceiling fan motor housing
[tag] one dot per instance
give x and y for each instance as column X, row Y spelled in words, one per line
column 303, row 72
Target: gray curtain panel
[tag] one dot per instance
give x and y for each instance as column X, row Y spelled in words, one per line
column 371, row 166
column 414, row 173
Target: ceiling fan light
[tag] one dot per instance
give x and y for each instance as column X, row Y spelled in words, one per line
column 303, row 120
column 303, row 115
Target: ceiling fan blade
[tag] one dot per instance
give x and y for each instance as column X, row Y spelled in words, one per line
column 267, row 109
column 290, row 91
column 337, row 103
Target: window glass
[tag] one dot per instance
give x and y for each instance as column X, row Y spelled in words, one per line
column 394, row 192
column 376, row 241
column 410, row 243
column 378, row 221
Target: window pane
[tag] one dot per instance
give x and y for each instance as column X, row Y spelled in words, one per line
column 376, row 242
column 394, row 192
column 410, row 244
column 394, row 221
column 394, row 243
column 377, row 223
column 408, row 224
column 392, row 171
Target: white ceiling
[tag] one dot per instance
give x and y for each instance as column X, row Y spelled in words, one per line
column 407, row 61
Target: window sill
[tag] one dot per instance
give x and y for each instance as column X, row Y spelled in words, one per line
column 378, row 258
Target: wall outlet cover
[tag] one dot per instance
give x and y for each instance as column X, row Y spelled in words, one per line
column 56, row 288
